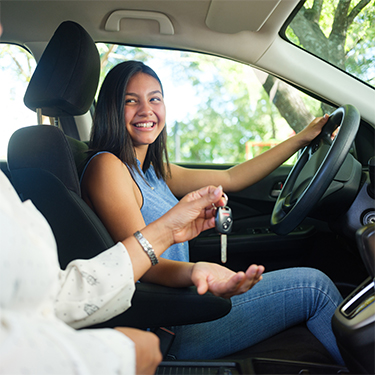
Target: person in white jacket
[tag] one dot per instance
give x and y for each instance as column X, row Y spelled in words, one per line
column 40, row 304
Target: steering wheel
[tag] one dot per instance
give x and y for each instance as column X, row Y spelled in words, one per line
column 315, row 169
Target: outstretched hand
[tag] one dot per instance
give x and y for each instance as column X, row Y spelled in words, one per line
column 223, row 282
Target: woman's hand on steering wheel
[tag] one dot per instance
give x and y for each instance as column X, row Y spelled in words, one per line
column 312, row 130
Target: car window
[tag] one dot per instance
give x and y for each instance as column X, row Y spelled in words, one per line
column 339, row 32
column 218, row 110
column 16, row 68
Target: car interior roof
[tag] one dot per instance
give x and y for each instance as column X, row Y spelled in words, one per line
column 246, row 31
column 190, row 20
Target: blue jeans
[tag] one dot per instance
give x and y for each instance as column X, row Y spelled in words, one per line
column 281, row 300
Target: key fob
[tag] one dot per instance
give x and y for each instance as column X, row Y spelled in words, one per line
column 223, row 220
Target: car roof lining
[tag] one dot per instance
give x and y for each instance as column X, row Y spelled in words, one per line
column 261, row 48
column 187, row 17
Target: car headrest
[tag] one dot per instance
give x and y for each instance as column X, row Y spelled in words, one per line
column 65, row 80
column 53, row 155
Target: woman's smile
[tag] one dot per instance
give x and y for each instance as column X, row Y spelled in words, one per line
column 145, row 125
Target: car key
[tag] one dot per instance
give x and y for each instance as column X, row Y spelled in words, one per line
column 223, row 225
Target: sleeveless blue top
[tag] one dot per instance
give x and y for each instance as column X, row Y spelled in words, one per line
column 157, row 200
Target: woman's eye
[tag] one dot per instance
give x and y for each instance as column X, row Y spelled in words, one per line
column 127, row 101
column 156, row 99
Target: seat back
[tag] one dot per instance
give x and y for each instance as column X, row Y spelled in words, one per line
column 43, row 169
column 40, row 159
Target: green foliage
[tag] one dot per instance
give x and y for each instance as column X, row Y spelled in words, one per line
column 113, row 54
column 236, row 110
column 358, row 34
column 231, row 106
column 360, row 45
column 224, row 103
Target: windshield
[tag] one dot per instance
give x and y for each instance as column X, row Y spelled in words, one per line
column 341, row 32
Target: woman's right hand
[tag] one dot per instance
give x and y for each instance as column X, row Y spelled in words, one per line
column 223, row 282
column 193, row 214
column 189, row 217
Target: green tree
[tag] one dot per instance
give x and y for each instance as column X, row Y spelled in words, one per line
column 113, row 54
column 228, row 116
column 234, row 109
column 341, row 32
column 338, row 31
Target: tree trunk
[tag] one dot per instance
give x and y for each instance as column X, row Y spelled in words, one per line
column 288, row 102
column 306, row 27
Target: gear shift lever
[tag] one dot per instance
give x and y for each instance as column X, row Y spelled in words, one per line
column 365, row 237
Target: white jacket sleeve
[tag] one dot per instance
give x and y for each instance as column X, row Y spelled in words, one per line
column 37, row 345
column 97, row 289
column 33, row 340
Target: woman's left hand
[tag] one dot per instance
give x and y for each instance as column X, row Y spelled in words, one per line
column 223, row 282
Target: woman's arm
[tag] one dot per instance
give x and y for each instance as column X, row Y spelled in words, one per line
column 192, row 215
column 183, row 222
column 110, row 191
column 111, row 194
column 245, row 174
column 108, row 188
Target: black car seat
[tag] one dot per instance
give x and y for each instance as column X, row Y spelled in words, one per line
column 43, row 168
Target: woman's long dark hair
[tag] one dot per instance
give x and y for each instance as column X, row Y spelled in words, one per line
column 109, row 132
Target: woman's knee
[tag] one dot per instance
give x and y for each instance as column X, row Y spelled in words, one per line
column 323, row 285
column 319, row 279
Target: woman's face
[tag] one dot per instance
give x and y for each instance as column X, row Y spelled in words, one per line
column 144, row 109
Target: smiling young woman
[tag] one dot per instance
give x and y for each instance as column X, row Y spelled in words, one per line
column 129, row 183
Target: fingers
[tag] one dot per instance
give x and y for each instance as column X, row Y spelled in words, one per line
column 223, row 282
column 312, row 130
column 223, row 200
column 211, row 193
column 254, row 274
column 213, row 196
column 202, row 285
column 323, row 120
column 242, row 282
column 318, row 121
column 254, row 271
column 235, row 282
column 206, row 198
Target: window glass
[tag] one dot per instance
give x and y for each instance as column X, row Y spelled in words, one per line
column 16, row 69
column 341, row 32
column 218, row 110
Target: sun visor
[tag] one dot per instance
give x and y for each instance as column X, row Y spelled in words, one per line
column 233, row 16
